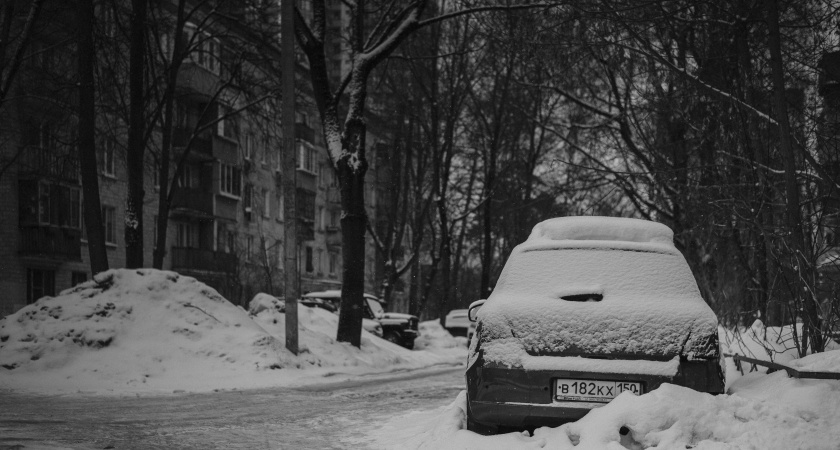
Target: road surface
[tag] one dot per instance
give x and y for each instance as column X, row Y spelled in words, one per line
column 325, row 416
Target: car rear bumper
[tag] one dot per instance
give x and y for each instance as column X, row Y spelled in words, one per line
column 523, row 415
column 516, row 397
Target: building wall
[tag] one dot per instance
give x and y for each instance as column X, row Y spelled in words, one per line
column 249, row 275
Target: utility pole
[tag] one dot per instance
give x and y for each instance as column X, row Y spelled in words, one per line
column 291, row 289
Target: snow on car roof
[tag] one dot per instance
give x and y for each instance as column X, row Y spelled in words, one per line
column 334, row 293
column 596, row 228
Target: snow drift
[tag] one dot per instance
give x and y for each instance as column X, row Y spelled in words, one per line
column 156, row 331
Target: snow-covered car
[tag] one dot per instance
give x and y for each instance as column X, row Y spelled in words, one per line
column 584, row 310
column 456, row 322
column 263, row 301
column 398, row 328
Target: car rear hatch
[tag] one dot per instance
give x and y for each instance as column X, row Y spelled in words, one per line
column 608, row 303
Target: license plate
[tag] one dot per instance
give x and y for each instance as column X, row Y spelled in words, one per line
column 592, row 390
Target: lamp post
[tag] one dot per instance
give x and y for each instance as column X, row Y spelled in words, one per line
column 291, row 289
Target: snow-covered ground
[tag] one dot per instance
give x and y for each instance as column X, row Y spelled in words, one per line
column 149, row 331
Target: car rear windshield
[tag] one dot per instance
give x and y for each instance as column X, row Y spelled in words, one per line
column 375, row 306
column 590, row 274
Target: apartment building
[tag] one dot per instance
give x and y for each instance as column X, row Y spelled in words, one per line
column 226, row 218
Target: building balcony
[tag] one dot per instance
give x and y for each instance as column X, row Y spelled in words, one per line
column 51, row 242
column 194, row 202
column 304, row 132
column 186, row 258
column 306, row 229
column 333, row 236
column 197, row 80
column 59, row 164
column 200, row 145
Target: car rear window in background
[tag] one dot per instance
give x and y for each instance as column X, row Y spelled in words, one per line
column 375, row 306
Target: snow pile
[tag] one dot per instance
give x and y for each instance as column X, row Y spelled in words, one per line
column 155, row 331
column 434, row 336
column 821, row 362
column 263, row 301
column 762, row 412
column 777, row 344
column 130, row 328
column 316, row 335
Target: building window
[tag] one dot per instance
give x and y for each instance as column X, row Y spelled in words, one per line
column 335, row 216
column 248, row 201
column 105, row 153
column 281, row 204
column 43, row 203
column 309, row 266
column 38, row 284
column 186, row 179
column 187, row 235
column 106, row 22
column 108, row 220
column 249, row 146
column 249, row 247
column 266, row 203
column 77, row 278
column 306, row 205
column 208, row 53
column 333, row 267
column 206, row 50
column 230, row 180
column 228, row 126
column 321, row 218
column 320, row 262
column 306, row 157
column 75, row 212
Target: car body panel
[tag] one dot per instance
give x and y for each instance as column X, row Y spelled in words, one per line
column 457, row 322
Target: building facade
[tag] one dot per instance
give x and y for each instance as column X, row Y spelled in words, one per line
column 226, row 217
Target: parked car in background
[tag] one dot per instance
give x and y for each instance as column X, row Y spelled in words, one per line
column 398, row 328
column 456, row 322
column 263, row 301
column 585, row 309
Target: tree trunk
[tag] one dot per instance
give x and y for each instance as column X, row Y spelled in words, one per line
column 351, row 168
column 136, row 140
column 802, row 268
column 159, row 252
column 87, row 140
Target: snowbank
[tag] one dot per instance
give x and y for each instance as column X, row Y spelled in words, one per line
column 762, row 412
column 434, row 336
column 156, row 331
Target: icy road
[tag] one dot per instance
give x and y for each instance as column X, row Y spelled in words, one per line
column 325, row 416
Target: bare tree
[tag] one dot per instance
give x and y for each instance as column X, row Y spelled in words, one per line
column 15, row 38
column 86, row 52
